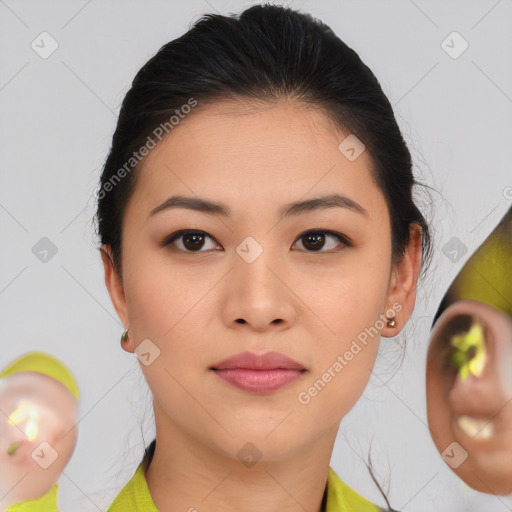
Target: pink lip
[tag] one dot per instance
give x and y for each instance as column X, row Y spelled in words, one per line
column 259, row 373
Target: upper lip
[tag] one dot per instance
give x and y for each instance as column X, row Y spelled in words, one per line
column 251, row 361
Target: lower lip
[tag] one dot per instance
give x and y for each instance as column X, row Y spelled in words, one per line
column 259, row 381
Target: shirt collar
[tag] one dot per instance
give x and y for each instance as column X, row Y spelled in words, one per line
column 340, row 497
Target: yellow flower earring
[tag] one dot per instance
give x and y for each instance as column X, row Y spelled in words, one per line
column 468, row 351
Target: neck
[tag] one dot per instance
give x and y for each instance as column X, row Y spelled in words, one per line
column 187, row 474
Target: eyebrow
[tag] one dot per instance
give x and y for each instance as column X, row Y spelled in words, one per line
column 290, row 209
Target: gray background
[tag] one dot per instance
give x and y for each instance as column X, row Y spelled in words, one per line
column 58, row 116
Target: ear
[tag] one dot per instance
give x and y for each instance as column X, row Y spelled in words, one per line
column 116, row 291
column 403, row 282
column 473, row 408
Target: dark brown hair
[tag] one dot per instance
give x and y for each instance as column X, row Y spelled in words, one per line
column 266, row 53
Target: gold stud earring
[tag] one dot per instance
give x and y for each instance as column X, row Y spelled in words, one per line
column 124, row 336
column 391, row 322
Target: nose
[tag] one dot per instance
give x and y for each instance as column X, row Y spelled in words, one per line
column 259, row 294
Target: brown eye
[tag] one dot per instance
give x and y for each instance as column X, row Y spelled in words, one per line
column 314, row 241
column 194, row 241
column 191, row 241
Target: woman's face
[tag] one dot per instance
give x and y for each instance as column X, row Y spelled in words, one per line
column 254, row 282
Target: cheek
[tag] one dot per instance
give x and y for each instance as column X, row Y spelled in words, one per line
column 343, row 360
column 159, row 294
column 352, row 305
column 351, row 309
column 341, row 373
column 167, row 306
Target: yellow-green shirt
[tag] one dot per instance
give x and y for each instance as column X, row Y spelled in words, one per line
column 135, row 496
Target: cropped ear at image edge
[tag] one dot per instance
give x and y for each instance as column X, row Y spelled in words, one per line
column 487, row 274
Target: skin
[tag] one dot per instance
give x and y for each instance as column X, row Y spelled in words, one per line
column 22, row 478
column 200, row 308
column 488, row 466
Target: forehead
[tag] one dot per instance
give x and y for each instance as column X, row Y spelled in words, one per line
column 275, row 151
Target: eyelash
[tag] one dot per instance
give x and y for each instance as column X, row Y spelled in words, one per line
column 168, row 240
